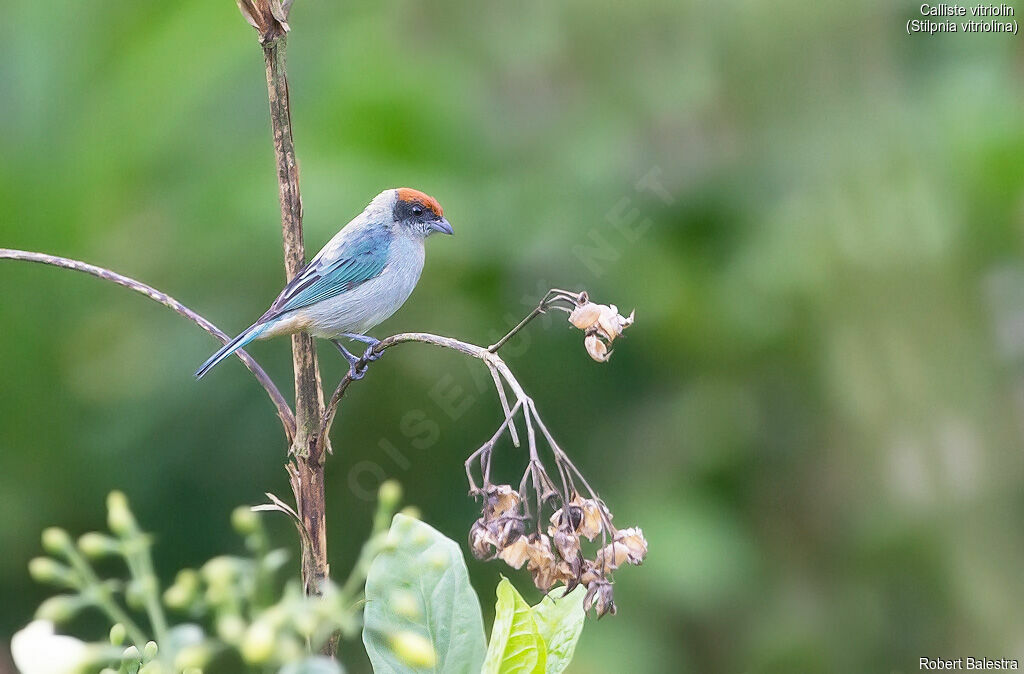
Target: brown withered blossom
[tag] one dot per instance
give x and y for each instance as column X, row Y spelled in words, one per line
column 511, row 526
column 601, row 323
column 268, row 17
column 599, row 597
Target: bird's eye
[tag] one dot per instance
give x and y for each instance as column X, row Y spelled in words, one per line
column 417, row 211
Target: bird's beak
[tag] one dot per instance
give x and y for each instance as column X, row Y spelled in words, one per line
column 442, row 226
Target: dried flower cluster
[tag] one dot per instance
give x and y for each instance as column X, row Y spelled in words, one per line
column 512, row 523
column 503, row 532
column 601, row 323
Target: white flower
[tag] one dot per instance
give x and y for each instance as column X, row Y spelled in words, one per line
column 37, row 649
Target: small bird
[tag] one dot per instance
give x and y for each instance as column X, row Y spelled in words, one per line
column 362, row 276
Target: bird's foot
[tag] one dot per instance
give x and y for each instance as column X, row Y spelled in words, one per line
column 369, row 355
column 353, row 361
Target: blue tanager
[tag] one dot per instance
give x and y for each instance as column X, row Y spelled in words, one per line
column 362, row 276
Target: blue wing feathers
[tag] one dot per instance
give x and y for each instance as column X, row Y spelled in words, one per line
column 359, row 260
column 362, row 257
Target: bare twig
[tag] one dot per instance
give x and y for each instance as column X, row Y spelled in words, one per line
column 283, row 411
column 489, row 355
column 282, row 507
column 306, row 469
column 466, row 348
column 504, row 402
column 548, row 301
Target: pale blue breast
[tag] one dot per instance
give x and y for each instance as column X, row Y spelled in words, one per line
column 362, row 308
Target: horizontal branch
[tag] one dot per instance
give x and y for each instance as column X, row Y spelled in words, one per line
column 487, row 354
column 384, row 344
column 283, row 411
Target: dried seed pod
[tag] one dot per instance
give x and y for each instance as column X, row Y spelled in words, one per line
column 610, row 324
column 539, row 550
column 516, row 554
column 590, row 573
column 572, row 512
column 507, row 530
column 567, row 544
column 500, row 499
column 600, row 597
column 545, row 578
column 591, row 524
column 585, row 315
column 634, row 542
column 611, row 556
column 597, row 349
column 481, row 541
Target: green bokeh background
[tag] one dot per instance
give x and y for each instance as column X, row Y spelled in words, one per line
column 815, row 418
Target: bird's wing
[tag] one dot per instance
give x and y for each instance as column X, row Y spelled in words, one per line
column 359, row 259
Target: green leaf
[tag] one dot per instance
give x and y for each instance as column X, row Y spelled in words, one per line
column 560, row 623
column 421, row 612
column 516, row 645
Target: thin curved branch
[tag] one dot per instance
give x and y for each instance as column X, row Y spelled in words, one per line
column 548, row 301
column 283, row 411
column 487, row 354
column 403, row 338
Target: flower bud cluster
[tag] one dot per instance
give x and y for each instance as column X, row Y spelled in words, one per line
column 270, row 625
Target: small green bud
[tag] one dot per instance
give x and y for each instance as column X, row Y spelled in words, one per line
column 245, row 521
column 306, row 622
column 118, row 634
column 59, row 609
column 289, row 648
column 182, row 593
column 135, row 593
column 258, row 645
column 56, row 541
column 413, row 648
column 119, row 516
column 231, row 627
column 389, row 495
column 95, row 545
column 47, row 570
column 220, row 571
column 150, row 651
column 131, row 654
column 192, row 658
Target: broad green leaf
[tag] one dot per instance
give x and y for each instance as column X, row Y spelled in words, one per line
column 421, row 612
column 560, row 623
column 516, row 645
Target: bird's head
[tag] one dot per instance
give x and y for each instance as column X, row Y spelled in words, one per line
column 419, row 213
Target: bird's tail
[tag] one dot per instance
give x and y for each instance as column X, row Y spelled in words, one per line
column 250, row 333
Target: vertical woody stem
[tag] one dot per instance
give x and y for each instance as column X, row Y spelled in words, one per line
column 306, row 471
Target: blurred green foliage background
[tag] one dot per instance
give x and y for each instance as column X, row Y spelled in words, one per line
column 815, row 419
